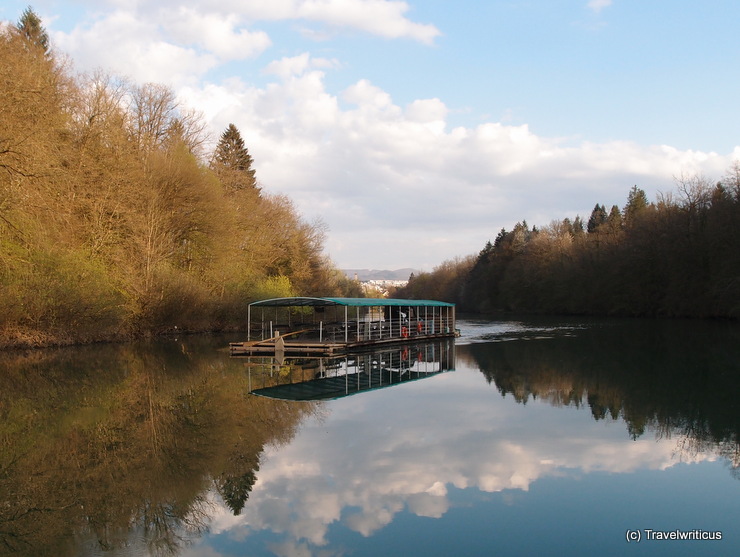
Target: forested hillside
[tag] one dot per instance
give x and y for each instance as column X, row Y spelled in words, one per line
column 115, row 222
column 676, row 256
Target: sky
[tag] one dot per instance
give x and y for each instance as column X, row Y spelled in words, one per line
column 416, row 130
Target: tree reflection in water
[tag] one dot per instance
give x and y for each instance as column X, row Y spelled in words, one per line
column 116, row 446
column 673, row 378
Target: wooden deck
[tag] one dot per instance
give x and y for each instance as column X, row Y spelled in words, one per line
column 286, row 345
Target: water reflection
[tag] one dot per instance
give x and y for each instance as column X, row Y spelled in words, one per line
column 156, row 449
column 666, row 377
column 331, row 377
column 118, row 446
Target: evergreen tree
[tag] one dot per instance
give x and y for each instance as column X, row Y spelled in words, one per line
column 578, row 228
column 615, row 217
column 636, row 202
column 31, row 29
column 235, row 490
column 597, row 218
column 232, row 161
column 486, row 251
column 500, row 237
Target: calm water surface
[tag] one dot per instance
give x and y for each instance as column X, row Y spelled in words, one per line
column 547, row 437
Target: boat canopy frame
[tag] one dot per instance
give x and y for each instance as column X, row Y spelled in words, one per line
column 350, row 302
column 428, row 316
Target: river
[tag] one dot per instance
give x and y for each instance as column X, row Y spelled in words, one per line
column 533, row 436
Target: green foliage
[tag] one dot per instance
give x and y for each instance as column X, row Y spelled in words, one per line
column 31, row 29
column 273, row 287
column 235, row 489
column 637, row 202
column 232, row 161
column 63, row 292
column 597, row 218
column 112, row 223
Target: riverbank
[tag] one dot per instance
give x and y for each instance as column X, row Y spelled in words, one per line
column 28, row 339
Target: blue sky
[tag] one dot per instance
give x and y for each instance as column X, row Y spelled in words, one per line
column 417, row 130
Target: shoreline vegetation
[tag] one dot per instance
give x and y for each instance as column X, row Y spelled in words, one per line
column 678, row 256
column 117, row 223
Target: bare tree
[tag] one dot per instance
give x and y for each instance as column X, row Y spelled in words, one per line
column 157, row 116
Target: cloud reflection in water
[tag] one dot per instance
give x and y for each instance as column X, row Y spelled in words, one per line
column 402, row 449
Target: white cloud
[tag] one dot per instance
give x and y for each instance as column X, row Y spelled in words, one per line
column 598, row 5
column 368, row 97
column 134, row 48
column 385, row 18
column 427, row 110
column 380, row 17
column 298, row 65
column 378, row 173
column 216, row 33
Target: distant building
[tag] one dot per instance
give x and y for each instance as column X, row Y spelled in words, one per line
column 382, row 285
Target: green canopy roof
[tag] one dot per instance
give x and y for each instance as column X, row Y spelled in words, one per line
column 352, row 302
column 340, row 386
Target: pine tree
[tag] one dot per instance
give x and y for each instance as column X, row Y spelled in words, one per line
column 615, row 217
column 500, row 239
column 578, row 226
column 636, row 202
column 232, row 161
column 30, row 27
column 597, row 218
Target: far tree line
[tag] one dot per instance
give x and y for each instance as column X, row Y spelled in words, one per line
column 678, row 255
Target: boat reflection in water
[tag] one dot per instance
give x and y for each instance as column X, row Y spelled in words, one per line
column 331, row 377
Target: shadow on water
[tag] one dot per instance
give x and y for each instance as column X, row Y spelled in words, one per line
column 667, row 377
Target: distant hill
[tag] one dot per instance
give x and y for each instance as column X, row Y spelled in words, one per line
column 375, row 274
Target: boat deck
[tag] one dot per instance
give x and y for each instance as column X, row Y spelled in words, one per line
column 315, row 347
